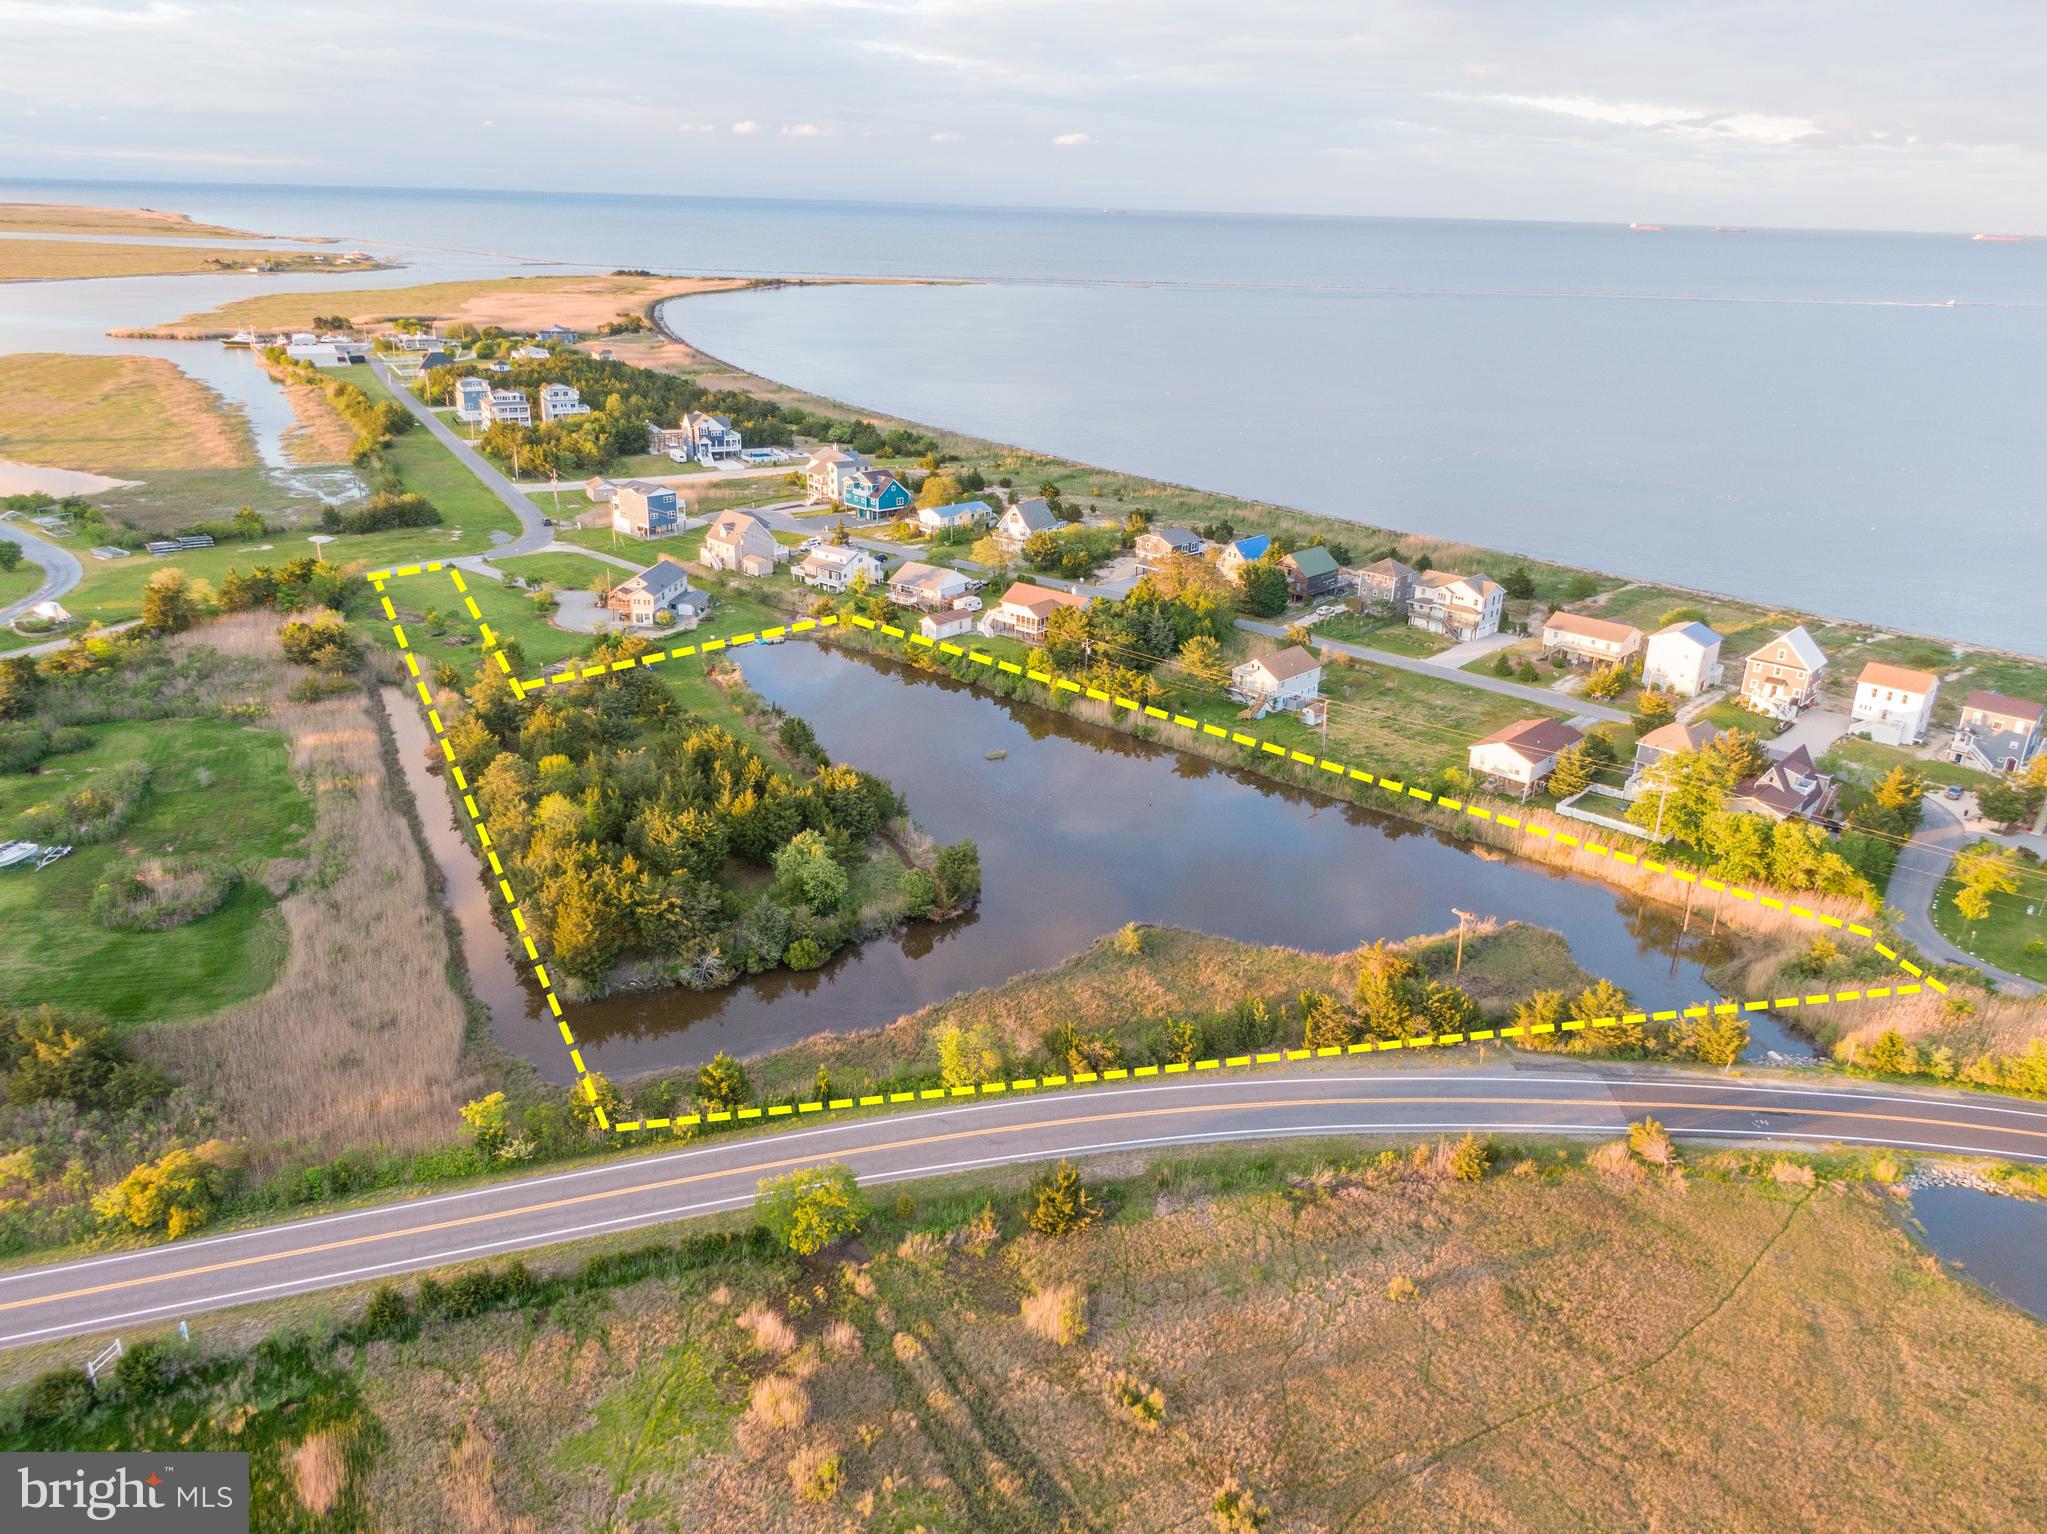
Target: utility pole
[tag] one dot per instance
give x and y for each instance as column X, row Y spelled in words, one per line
column 1462, row 918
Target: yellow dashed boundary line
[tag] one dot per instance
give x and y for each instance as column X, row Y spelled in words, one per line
column 571, row 672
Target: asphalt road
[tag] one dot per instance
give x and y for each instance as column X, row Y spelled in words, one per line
column 1923, row 864
column 162, row 1283
column 534, row 533
column 61, row 569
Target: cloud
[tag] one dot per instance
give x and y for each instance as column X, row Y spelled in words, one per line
column 1750, row 127
column 165, row 156
column 806, row 130
column 79, row 18
column 1070, row 140
column 749, row 126
column 1761, row 128
column 946, row 136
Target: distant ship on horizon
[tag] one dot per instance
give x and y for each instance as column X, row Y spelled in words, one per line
column 1647, row 228
column 2000, row 239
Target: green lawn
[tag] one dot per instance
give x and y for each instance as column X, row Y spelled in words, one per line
column 19, row 582
column 2007, row 937
column 1864, row 761
column 1393, row 638
column 570, row 572
column 220, row 790
column 423, row 465
column 684, row 546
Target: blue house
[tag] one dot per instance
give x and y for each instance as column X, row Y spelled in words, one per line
column 1241, row 553
column 644, row 510
column 875, row 494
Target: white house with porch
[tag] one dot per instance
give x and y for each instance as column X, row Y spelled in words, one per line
column 1894, row 704
column 1683, row 658
column 1283, row 680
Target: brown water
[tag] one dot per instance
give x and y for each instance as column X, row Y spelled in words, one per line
column 1081, row 829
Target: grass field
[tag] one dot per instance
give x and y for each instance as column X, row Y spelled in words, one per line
column 2008, row 937
column 1352, row 1340
column 517, row 303
column 115, row 415
column 63, row 260
column 66, row 218
column 1864, row 761
column 568, row 572
column 425, row 466
column 221, row 790
column 19, row 582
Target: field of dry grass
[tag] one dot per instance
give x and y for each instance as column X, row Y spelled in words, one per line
column 517, row 303
column 110, row 414
column 64, row 260
column 1354, row 1345
column 360, row 1041
column 65, row 218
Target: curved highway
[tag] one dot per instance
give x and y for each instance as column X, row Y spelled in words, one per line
column 60, row 567
column 157, row 1284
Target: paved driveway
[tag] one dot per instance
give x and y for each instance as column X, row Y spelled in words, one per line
column 60, row 567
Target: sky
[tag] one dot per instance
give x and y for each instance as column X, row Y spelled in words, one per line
column 1820, row 113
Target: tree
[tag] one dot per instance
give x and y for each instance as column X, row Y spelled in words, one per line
column 1742, row 752
column 167, row 604
column 1982, row 871
column 722, row 1083
column 1066, row 636
column 2007, row 803
column 1058, row 1205
column 10, row 555
column 591, row 1097
column 488, row 1121
column 804, row 866
column 956, row 875
column 1391, row 995
column 808, row 1210
column 1900, row 789
column 964, row 1056
column 1201, row 657
column 1518, row 583
column 1324, row 1023
column 1573, row 772
column 1580, row 587
column 939, row 490
column 174, row 1194
column 1681, row 791
column 1264, row 587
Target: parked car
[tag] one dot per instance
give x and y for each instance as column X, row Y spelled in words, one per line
column 1782, row 725
column 678, row 455
column 808, row 544
column 1952, row 791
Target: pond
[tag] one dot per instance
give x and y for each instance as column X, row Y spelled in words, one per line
column 1999, row 1241
column 1080, row 829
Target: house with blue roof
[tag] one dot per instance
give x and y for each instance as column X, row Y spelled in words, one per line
column 1241, row 553
column 874, row 495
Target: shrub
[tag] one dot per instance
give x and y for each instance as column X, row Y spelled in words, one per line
column 816, row 1473
column 58, row 1398
column 161, row 893
column 174, row 1194
column 93, row 814
column 805, row 953
column 324, row 641
column 146, row 1370
column 778, row 1402
column 1470, row 1158
column 380, row 513
column 808, row 1210
column 1129, row 940
column 770, row 1332
column 1058, row 1204
column 1400, row 1289
column 1143, row 1403
column 387, row 1313
column 1056, row 1312
column 1236, row 1511
column 1648, row 1140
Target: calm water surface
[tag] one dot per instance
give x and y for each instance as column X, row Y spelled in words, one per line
column 1080, row 830
column 2000, row 1242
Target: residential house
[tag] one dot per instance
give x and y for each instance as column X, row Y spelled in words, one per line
column 1577, row 640
column 1997, row 733
column 531, row 353
column 836, row 567
column 662, row 587
column 507, row 407
column 929, row 587
column 1683, row 658
column 668, row 440
column 1524, row 754
column 599, row 490
column 1386, row 583
column 737, row 541
column 1310, row 573
column 1784, row 675
column 432, row 357
column 1244, row 551
column 1790, row 788
column 559, row 400
column 642, row 509
column 470, row 393
column 958, row 514
column 557, row 334
column 1284, row 680
column 874, row 495
column 1156, row 546
column 826, row 469
column 1018, row 522
column 1894, row 704
column 411, row 341
column 1024, row 610
column 947, row 623
column 711, row 437
column 1671, row 739
column 1461, row 606
column 327, row 351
